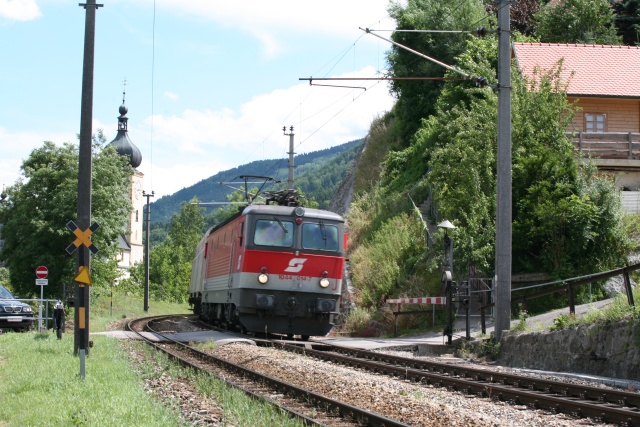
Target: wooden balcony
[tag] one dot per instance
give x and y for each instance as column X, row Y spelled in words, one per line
column 609, row 150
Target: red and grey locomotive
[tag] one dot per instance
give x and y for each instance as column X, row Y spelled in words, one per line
column 271, row 269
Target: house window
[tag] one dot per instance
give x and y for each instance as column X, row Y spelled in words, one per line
column 595, row 122
column 136, row 215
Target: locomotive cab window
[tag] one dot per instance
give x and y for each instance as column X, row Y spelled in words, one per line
column 273, row 232
column 320, row 236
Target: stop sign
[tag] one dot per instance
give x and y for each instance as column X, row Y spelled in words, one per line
column 42, row 272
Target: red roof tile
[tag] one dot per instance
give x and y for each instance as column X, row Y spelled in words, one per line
column 600, row 70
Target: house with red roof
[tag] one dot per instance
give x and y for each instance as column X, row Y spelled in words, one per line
column 604, row 81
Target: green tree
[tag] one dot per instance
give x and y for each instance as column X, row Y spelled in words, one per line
column 627, row 19
column 566, row 219
column 44, row 200
column 522, row 15
column 577, row 21
column 559, row 210
column 416, row 98
column 170, row 261
column 4, row 277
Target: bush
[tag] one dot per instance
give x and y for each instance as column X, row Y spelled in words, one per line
column 563, row 322
column 376, row 265
column 357, row 320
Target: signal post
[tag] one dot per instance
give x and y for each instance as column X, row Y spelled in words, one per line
column 41, row 273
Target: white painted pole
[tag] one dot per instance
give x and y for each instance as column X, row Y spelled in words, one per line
column 40, row 309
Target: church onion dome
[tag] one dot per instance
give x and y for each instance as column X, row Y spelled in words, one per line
column 122, row 143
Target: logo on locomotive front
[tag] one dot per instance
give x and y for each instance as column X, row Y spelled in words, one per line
column 295, row 265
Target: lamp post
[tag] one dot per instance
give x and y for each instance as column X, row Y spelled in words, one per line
column 448, row 244
column 447, row 277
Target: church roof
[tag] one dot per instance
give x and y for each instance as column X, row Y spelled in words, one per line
column 122, row 143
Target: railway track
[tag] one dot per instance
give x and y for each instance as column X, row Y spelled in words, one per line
column 585, row 403
column 604, row 405
column 311, row 407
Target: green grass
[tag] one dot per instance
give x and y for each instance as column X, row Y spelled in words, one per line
column 41, row 385
column 126, row 307
column 618, row 310
column 40, row 380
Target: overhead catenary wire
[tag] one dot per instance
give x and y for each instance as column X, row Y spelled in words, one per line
column 422, row 55
column 480, row 81
column 341, row 57
column 302, row 119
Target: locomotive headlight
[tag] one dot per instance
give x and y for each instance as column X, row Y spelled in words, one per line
column 263, row 277
column 324, row 281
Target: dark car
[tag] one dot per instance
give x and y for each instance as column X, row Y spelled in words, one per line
column 14, row 314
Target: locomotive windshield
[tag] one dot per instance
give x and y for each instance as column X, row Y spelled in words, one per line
column 320, row 236
column 273, row 233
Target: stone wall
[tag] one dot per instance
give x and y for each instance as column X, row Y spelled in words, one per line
column 610, row 350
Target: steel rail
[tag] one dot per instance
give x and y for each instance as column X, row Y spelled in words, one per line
column 585, row 392
column 339, row 409
column 554, row 396
column 184, row 362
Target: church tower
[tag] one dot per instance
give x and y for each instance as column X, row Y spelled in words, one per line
column 130, row 241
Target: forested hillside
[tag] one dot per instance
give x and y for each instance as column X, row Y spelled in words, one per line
column 317, row 175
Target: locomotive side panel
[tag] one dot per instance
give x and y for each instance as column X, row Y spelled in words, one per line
column 198, row 266
column 225, row 245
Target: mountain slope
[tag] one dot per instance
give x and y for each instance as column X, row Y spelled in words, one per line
column 317, row 174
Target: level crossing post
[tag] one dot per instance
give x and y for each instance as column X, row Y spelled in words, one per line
column 84, row 166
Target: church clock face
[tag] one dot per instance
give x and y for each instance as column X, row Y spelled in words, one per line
column 137, row 191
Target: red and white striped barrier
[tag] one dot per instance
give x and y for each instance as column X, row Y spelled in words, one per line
column 422, row 300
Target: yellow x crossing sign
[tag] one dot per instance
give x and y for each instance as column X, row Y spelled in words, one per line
column 82, row 237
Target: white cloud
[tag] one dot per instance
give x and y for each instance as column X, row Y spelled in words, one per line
column 19, row 10
column 328, row 17
column 172, row 96
column 16, row 147
column 268, row 20
column 200, row 143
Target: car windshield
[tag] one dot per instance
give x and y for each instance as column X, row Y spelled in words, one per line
column 5, row 294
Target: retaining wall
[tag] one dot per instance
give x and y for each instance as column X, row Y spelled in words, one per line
column 610, row 350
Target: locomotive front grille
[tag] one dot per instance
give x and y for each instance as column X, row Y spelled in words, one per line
column 325, row 305
column 265, row 301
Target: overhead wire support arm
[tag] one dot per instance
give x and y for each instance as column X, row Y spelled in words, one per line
column 480, row 81
column 375, row 78
column 311, row 79
column 480, row 31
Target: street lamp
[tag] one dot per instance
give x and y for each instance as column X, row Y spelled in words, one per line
column 447, row 277
column 448, row 244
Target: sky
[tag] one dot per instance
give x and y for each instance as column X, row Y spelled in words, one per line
column 209, row 83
